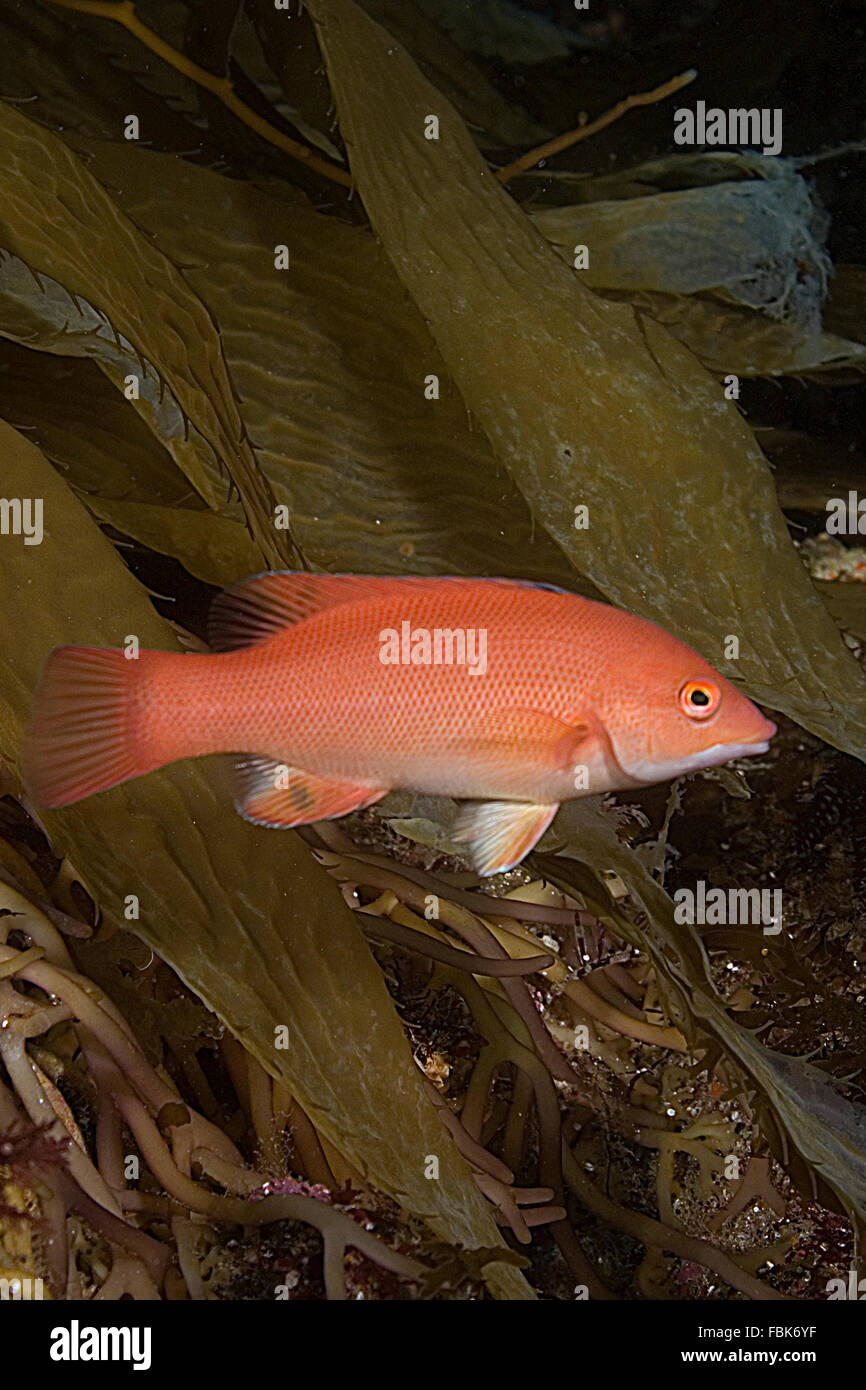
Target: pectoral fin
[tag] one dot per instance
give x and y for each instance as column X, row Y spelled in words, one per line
column 501, row 833
column 531, row 734
column 510, row 740
column 271, row 793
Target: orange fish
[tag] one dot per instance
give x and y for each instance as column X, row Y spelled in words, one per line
column 339, row 688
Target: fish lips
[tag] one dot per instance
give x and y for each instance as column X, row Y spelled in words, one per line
column 651, row 772
column 726, row 752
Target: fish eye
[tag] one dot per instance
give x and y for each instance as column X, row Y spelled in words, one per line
column 699, row 699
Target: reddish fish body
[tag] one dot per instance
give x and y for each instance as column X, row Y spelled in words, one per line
column 344, row 687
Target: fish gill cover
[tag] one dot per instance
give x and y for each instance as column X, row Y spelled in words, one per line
column 326, row 289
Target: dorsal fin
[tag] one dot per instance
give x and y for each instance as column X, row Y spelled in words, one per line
column 257, row 608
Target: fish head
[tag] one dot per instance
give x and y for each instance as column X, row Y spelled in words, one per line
column 666, row 711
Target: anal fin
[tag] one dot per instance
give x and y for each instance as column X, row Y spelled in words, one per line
column 272, row 793
column 501, row 833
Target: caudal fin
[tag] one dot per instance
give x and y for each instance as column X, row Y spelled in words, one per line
column 82, row 735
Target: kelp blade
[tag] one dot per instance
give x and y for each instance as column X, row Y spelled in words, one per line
column 588, row 403
column 244, row 915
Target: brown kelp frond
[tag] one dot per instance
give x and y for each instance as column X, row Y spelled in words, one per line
column 665, row 429
column 174, row 358
column 229, row 1173
column 513, row 1112
column 125, row 1149
column 294, row 343
column 196, row 909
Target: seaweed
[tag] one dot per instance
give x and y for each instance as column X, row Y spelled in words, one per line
column 594, row 406
column 299, row 967
column 289, row 325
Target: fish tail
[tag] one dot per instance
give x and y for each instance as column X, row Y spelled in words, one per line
column 85, row 732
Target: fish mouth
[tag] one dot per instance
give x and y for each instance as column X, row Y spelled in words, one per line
column 649, row 771
column 727, row 752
